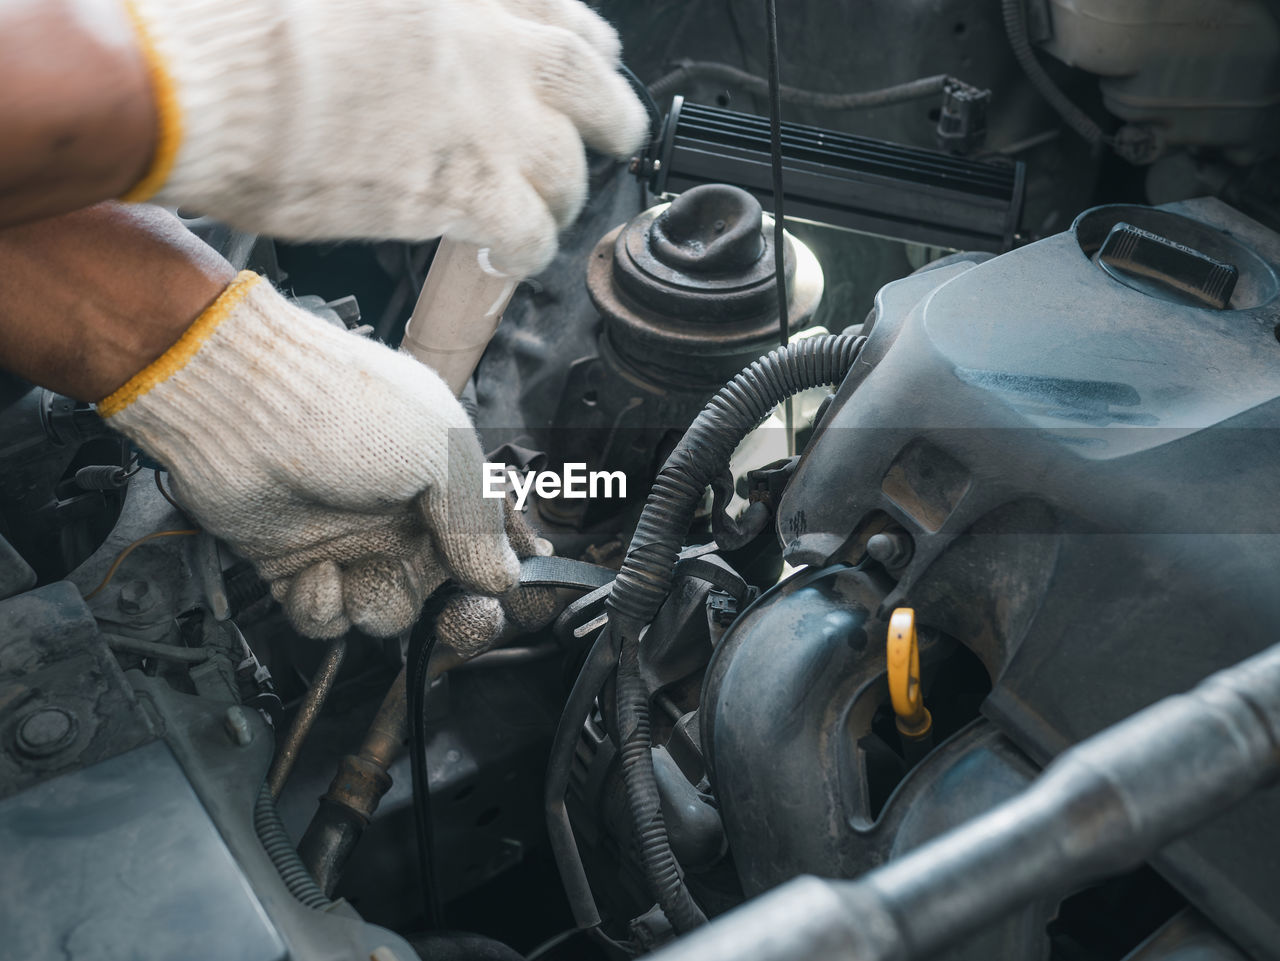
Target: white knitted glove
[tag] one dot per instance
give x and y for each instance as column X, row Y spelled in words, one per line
column 388, row 119
column 344, row 470
column 471, row 623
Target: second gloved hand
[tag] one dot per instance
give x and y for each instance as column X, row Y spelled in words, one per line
column 389, row 119
column 345, row 471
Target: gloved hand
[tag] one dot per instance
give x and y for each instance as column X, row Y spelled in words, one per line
column 389, row 119
column 470, row 623
column 344, row 470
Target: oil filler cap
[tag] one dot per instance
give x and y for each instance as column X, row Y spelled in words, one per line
column 688, row 290
column 1137, row 257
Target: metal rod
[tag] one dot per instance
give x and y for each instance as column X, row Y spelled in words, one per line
column 308, row 711
column 390, row 726
column 356, row 790
column 775, row 146
column 362, row 779
column 1099, row 809
column 167, row 652
column 779, row 235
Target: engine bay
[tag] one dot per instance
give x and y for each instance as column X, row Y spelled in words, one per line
column 883, row 548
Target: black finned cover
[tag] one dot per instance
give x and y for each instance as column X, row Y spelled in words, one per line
column 871, row 186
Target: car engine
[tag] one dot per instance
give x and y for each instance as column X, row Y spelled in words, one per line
column 914, row 563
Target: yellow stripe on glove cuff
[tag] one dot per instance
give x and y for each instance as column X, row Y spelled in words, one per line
column 180, row 354
column 168, row 114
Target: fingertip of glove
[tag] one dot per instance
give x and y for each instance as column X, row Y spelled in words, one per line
column 313, row 601
column 279, row 588
column 470, row 538
column 632, row 133
column 470, row 624
column 381, row 597
column 323, row 632
column 491, row 575
column 530, row 257
column 498, row 577
column 620, row 123
column 531, row 608
column 519, row 534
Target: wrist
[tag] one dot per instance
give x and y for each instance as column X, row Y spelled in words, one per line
column 178, row 355
column 167, row 112
column 213, row 66
column 96, row 295
column 257, row 379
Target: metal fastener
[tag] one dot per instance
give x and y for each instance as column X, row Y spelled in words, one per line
column 136, row 597
column 237, row 725
column 45, row 731
column 890, row 548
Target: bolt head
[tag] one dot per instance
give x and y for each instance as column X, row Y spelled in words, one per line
column 136, row 597
column 890, row 549
column 45, row 731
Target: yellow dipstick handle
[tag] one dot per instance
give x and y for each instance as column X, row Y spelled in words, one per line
column 904, row 676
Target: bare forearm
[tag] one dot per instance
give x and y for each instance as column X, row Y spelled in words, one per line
column 90, row 298
column 76, row 107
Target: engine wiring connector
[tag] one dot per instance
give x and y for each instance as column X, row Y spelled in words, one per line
column 914, row 722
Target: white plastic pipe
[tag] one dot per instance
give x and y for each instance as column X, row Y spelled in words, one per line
column 460, row 306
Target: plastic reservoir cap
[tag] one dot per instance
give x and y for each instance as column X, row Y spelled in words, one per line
column 1173, row 256
column 1130, row 253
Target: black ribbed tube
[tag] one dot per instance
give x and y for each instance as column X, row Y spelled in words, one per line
column 645, row 578
column 275, row 841
column 736, row 410
column 661, row 869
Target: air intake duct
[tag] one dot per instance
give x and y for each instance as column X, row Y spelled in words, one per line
column 870, row 186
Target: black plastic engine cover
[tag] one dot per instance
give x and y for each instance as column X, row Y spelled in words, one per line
column 1087, row 463
column 788, row 702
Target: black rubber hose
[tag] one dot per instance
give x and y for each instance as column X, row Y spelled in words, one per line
column 422, row 643
column 591, row 678
column 275, row 841
column 646, row 575
column 1015, row 27
column 646, row 97
column 690, row 70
